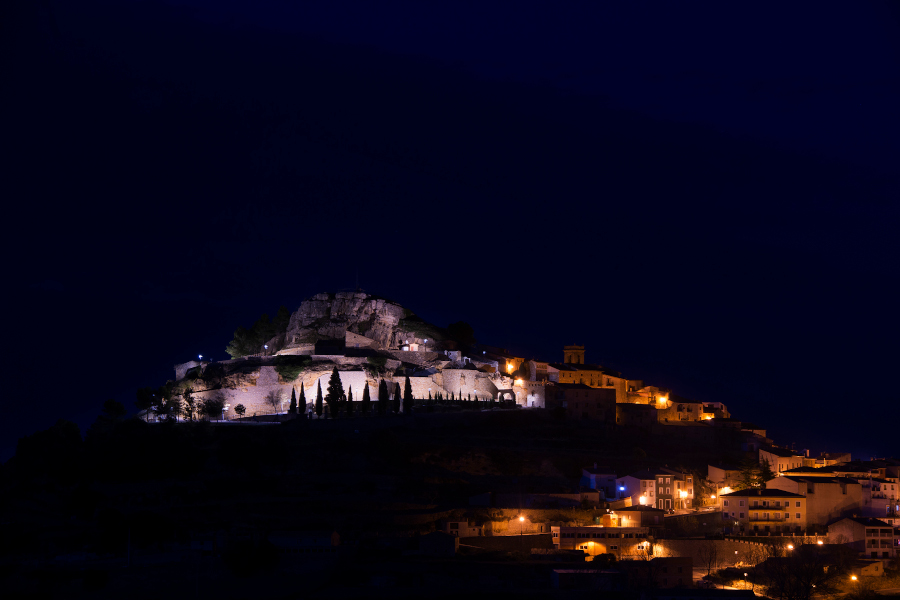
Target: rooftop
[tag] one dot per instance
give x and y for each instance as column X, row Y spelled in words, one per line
column 868, row 521
column 761, row 492
column 821, row 479
column 783, row 452
column 580, row 367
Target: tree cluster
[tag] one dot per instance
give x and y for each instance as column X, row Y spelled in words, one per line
column 251, row 341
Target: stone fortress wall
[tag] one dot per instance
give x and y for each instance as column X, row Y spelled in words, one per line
column 365, row 323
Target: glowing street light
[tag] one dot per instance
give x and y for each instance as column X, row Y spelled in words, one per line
column 199, row 357
column 853, row 577
column 790, row 546
column 820, row 542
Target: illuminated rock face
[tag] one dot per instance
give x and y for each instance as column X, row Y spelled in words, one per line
column 331, row 316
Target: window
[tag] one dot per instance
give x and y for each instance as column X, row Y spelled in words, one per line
column 668, row 480
column 691, row 491
column 755, row 503
column 798, row 515
column 741, row 503
column 555, row 534
column 613, row 547
column 454, row 525
column 668, row 490
column 798, row 504
column 742, row 515
column 724, row 502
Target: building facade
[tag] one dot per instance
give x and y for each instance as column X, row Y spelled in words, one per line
column 761, row 511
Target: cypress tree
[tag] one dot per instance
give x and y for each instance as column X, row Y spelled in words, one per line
column 452, row 397
column 350, row 401
column 429, row 396
column 335, row 392
column 407, row 397
column 469, row 399
column 366, row 401
column 319, row 401
column 301, row 402
column 383, row 398
column 293, row 408
column 396, row 403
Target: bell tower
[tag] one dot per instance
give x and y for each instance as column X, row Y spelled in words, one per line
column 574, row 355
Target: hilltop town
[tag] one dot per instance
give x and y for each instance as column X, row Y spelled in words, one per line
column 370, row 339
column 358, row 447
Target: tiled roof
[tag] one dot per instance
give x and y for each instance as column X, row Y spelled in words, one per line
column 760, row 493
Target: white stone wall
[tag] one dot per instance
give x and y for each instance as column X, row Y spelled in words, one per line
column 467, row 381
column 182, row 369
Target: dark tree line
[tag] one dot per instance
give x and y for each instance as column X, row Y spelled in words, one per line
column 251, row 341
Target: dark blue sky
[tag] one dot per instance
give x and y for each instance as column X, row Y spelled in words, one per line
column 704, row 195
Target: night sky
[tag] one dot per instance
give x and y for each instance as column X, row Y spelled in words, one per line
column 703, row 194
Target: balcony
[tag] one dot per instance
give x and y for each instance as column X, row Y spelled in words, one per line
column 770, row 519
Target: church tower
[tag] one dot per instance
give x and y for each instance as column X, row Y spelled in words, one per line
column 574, row 355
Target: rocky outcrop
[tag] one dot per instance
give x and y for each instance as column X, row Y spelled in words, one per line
column 331, row 316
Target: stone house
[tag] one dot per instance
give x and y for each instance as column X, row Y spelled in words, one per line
column 827, row 498
column 780, row 459
column 676, row 409
column 724, row 476
column 597, row 539
column 762, row 511
column 663, row 488
column 643, row 516
column 872, row 538
column 463, row 528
